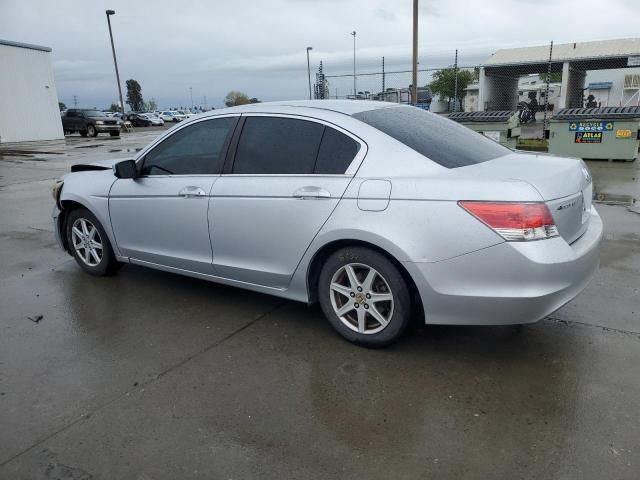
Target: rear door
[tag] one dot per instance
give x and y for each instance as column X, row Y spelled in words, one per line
column 285, row 177
column 161, row 216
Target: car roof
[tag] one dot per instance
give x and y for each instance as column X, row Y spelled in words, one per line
column 347, row 107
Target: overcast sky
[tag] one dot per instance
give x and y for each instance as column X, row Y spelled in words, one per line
column 258, row 47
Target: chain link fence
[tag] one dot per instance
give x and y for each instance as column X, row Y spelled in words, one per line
column 533, row 82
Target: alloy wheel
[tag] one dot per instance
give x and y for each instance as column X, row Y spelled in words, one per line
column 87, row 242
column 361, row 298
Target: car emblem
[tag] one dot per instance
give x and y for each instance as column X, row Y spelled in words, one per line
column 564, row 206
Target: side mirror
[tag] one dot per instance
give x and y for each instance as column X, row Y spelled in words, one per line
column 125, row 169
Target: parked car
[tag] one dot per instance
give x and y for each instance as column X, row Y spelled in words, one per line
column 89, row 122
column 155, row 119
column 169, row 116
column 179, row 115
column 139, row 120
column 378, row 211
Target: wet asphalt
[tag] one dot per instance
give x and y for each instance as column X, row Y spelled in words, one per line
column 149, row 375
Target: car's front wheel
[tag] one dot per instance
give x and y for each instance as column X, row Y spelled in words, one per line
column 89, row 243
column 91, row 130
column 364, row 296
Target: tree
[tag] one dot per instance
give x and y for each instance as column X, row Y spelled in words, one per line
column 134, row 95
column 555, row 77
column 444, row 81
column 114, row 107
column 234, row 98
column 150, row 106
column 62, row 106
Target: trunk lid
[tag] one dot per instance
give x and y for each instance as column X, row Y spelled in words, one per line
column 563, row 183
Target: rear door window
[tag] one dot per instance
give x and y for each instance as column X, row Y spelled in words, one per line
column 336, row 153
column 277, row 146
column 444, row 141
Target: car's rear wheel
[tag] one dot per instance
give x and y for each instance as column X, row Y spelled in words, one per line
column 114, row 134
column 89, row 243
column 91, row 130
column 364, row 296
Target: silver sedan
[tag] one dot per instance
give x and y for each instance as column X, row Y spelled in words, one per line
column 379, row 212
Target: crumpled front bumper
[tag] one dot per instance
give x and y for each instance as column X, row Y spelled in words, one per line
column 57, row 226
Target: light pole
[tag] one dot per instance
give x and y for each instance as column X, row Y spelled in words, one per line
column 309, row 70
column 354, row 62
column 191, row 95
column 414, row 73
column 115, row 62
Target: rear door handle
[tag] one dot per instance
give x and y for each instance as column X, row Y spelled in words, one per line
column 311, row 193
column 192, row 192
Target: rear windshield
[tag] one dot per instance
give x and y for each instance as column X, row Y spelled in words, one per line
column 444, row 141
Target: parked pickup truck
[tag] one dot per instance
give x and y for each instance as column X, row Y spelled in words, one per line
column 89, row 122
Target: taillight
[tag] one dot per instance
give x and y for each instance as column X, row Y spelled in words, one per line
column 515, row 222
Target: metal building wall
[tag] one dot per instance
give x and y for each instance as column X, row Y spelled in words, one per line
column 28, row 98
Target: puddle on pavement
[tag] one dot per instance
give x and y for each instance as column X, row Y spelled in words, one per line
column 615, row 181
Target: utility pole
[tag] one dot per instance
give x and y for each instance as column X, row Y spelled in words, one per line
column 309, row 70
column 205, row 102
column 414, row 73
column 75, row 101
column 354, row 63
column 455, row 83
column 546, row 94
column 115, row 62
column 191, row 95
column 383, row 80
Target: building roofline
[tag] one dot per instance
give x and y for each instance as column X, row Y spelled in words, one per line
column 30, row 46
column 589, row 51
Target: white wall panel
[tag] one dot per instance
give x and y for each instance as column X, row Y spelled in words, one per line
column 28, row 98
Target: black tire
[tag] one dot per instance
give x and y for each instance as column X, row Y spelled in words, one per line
column 91, row 130
column 386, row 277
column 83, row 133
column 114, row 134
column 108, row 264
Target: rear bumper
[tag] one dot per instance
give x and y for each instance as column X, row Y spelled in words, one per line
column 508, row 283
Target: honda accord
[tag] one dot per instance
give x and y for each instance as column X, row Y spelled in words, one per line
column 377, row 211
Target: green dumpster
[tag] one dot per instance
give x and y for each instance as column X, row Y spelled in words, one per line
column 503, row 126
column 610, row 133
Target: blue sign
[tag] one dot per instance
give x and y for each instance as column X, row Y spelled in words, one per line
column 590, row 126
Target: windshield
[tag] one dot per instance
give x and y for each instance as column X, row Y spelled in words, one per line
column 93, row 113
column 444, row 141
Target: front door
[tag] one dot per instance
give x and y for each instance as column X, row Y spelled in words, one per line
column 287, row 177
column 161, row 216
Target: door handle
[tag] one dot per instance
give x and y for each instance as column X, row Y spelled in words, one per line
column 192, row 192
column 311, row 193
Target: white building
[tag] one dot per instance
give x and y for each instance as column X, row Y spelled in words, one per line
column 579, row 63
column 28, row 99
column 619, row 87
